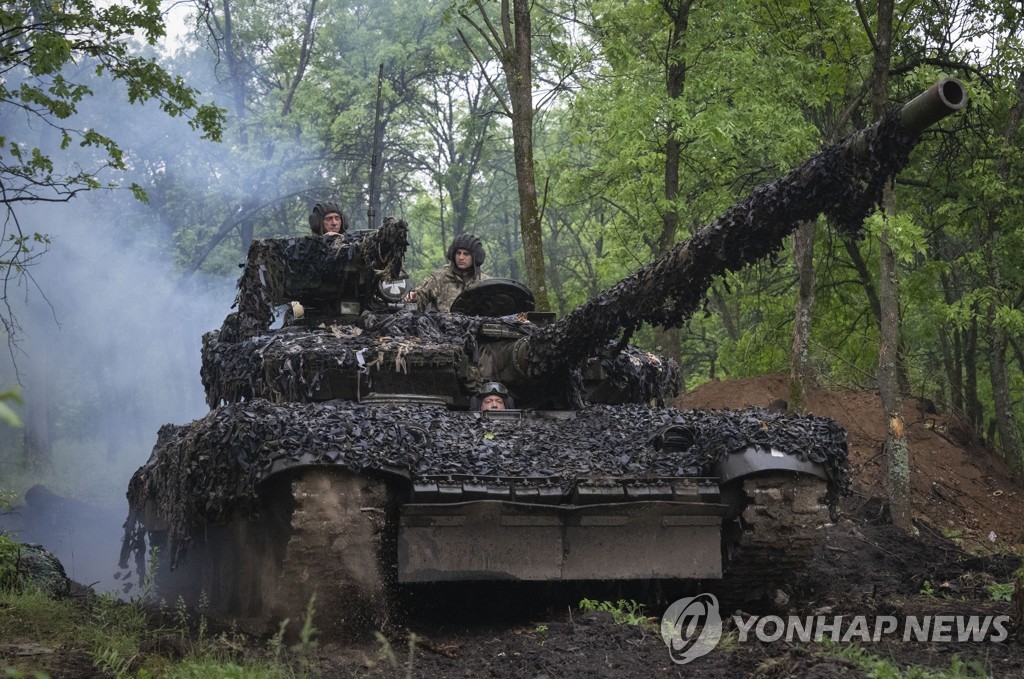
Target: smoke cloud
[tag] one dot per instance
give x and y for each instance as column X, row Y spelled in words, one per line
column 109, row 351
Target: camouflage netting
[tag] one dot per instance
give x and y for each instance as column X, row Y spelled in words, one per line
column 209, row 471
column 280, row 270
column 842, row 183
column 291, row 363
column 642, row 375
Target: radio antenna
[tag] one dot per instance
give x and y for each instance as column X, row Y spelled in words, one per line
column 371, row 212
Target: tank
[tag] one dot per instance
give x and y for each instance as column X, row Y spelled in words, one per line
column 342, row 459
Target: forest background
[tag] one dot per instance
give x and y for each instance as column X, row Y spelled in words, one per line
column 128, row 210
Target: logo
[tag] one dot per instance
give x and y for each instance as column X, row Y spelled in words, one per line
column 393, row 290
column 691, row 627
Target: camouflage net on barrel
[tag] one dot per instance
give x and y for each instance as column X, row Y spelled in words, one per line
column 209, row 471
column 277, row 270
column 844, row 181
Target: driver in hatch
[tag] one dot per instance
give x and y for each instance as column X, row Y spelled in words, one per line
column 492, row 396
column 439, row 289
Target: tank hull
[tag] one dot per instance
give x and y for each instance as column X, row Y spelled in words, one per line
column 313, row 520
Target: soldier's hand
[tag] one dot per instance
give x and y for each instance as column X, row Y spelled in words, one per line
column 410, row 297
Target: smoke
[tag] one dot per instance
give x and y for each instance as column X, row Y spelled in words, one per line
column 109, row 351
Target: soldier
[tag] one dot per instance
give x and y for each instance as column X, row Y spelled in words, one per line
column 327, row 219
column 492, row 396
column 439, row 289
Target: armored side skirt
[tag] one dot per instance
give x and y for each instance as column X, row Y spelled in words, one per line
column 499, row 540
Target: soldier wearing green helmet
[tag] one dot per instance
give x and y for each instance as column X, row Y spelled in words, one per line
column 439, row 289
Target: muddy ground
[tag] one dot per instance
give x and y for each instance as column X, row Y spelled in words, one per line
column 864, row 568
column 970, row 531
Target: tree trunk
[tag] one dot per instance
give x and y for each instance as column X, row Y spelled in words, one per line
column 998, row 374
column 729, row 320
column 38, row 441
column 974, row 411
column 861, row 267
column 513, row 47
column 951, row 353
column 304, row 52
column 518, row 72
column 1005, row 424
column 946, row 396
column 675, row 82
column 801, row 373
column 896, row 451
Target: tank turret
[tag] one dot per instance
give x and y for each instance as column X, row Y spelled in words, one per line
column 340, row 458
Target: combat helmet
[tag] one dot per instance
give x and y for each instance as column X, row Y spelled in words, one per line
column 469, row 242
column 321, row 210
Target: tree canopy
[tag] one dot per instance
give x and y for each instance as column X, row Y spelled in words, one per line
column 53, row 57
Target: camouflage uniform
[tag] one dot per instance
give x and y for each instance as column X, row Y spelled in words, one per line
column 442, row 287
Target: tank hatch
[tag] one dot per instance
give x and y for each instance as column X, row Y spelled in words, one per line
column 494, row 297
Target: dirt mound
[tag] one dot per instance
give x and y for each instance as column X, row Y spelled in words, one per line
column 960, row 489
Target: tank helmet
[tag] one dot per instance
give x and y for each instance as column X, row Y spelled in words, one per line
column 492, row 389
column 321, row 210
column 470, row 243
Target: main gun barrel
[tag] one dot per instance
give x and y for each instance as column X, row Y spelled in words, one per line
column 844, row 181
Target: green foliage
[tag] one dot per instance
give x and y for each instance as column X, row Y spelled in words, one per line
column 954, row 535
column 623, row 612
column 9, row 550
column 1000, row 591
column 53, row 38
column 32, row 616
column 906, row 238
column 7, row 500
column 307, row 644
column 8, row 414
column 881, row 668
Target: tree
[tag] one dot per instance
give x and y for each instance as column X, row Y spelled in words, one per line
column 897, row 464
column 512, row 46
column 48, row 54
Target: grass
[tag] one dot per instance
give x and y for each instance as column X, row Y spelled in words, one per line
column 623, row 612
column 387, row 653
column 119, row 638
column 877, row 667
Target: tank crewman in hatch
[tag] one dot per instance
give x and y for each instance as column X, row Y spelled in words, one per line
column 492, row 396
column 439, row 289
column 327, row 219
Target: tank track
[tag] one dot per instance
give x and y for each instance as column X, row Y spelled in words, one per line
column 337, row 532
column 779, row 530
column 323, row 533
